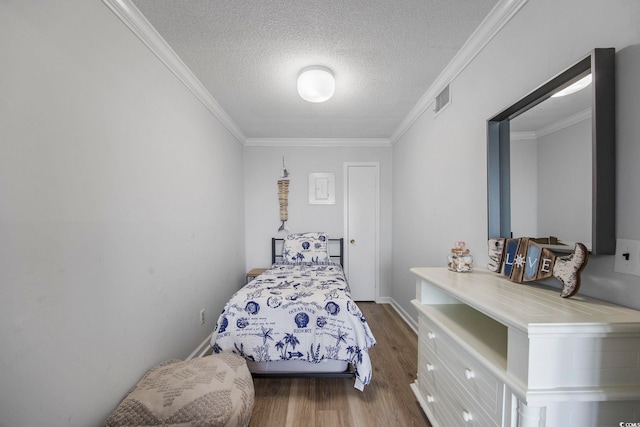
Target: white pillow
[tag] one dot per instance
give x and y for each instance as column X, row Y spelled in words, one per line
column 305, row 248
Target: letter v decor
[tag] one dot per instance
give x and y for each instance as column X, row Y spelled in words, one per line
column 523, row 260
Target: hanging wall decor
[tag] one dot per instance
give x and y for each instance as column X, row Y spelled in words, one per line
column 523, row 260
column 283, row 197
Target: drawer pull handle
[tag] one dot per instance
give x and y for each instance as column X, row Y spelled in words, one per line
column 429, row 367
column 466, row 416
column 469, row 373
column 431, row 335
column 429, row 398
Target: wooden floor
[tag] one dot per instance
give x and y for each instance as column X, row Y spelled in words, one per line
column 386, row 401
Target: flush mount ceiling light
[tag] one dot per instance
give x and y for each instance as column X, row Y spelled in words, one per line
column 579, row 85
column 316, row 84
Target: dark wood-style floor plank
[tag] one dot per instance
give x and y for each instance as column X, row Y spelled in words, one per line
column 329, row 402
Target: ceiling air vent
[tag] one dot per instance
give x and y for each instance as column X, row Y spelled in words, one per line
column 443, row 99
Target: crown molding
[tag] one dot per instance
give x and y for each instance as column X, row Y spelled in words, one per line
column 317, row 142
column 522, row 136
column 131, row 16
column 564, row 123
column 553, row 127
column 499, row 16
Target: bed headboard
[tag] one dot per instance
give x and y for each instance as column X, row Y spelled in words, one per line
column 335, row 248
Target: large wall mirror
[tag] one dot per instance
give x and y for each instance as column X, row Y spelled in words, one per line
column 551, row 160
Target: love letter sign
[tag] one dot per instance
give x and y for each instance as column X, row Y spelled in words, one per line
column 523, row 260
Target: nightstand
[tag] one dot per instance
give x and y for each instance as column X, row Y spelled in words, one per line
column 255, row 272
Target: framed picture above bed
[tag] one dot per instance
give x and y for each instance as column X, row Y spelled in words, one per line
column 322, row 188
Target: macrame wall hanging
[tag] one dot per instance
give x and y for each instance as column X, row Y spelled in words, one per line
column 283, row 197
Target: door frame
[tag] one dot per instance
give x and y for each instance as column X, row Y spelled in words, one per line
column 345, row 221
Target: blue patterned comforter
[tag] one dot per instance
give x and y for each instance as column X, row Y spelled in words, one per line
column 297, row 312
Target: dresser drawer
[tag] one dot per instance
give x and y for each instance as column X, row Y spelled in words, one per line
column 473, row 378
column 459, row 408
column 427, row 335
column 446, row 397
column 426, row 374
column 428, row 393
column 438, row 349
column 426, row 365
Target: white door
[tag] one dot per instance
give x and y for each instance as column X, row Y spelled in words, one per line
column 361, row 234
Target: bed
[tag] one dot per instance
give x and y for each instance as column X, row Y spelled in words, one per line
column 298, row 318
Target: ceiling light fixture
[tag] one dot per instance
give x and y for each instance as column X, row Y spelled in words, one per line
column 316, row 84
column 579, row 85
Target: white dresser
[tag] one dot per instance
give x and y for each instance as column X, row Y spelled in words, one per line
column 496, row 353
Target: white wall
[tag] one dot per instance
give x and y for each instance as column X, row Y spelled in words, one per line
column 120, row 213
column 524, row 176
column 262, row 215
column 439, row 164
column 555, row 201
column 564, row 186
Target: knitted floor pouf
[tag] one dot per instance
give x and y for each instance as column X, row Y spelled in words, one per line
column 209, row 391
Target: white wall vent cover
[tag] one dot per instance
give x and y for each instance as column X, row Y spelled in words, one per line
column 443, row 99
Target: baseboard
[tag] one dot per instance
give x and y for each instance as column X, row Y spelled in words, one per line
column 405, row 316
column 202, row 350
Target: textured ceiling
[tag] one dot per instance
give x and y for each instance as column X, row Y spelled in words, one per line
column 248, row 53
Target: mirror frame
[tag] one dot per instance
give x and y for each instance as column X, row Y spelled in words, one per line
column 601, row 62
